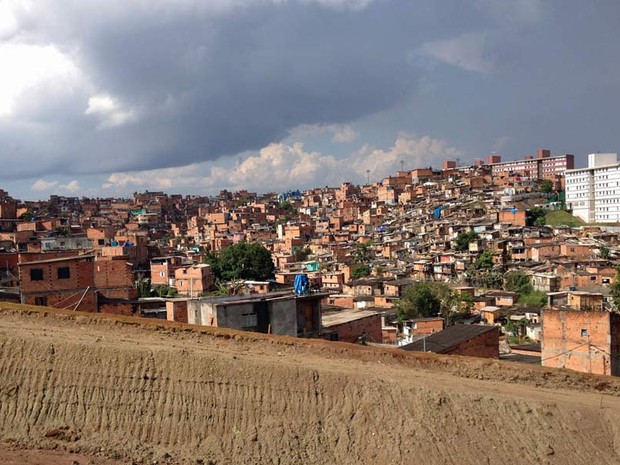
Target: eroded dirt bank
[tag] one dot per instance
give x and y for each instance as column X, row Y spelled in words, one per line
column 150, row 391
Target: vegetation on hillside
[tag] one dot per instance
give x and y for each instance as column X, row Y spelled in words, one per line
column 245, row 260
column 562, row 217
column 430, row 299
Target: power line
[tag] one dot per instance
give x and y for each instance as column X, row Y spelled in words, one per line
column 569, row 350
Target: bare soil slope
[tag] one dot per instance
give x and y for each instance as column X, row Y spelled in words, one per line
column 147, row 391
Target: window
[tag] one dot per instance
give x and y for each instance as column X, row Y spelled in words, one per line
column 42, row 301
column 249, row 320
column 64, row 272
column 36, row 274
column 584, row 333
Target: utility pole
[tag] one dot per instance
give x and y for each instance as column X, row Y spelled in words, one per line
column 368, row 177
column 402, row 165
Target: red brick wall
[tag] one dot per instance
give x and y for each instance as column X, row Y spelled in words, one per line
column 157, row 269
column 9, row 260
column 67, row 299
column 486, row 346
column 563, row 345
column 113, row 274
column 176, row 311
column 351, row 331
column 427, row 327
column 517, row 218
column 81, row 276
column 125, row 309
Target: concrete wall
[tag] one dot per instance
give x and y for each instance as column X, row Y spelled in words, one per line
column 283, row 316
column 201, row 313
column 230, row 316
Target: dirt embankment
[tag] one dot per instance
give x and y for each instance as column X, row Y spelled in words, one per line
column 150, row 391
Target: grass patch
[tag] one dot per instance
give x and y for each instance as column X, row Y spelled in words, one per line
column 561, row 217
column 535, row 298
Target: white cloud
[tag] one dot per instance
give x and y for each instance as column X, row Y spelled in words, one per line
column 8, row 21
column 466, row 51
column 71, row 187
column 415, row 152
column 43, row 185
column 109, row 111
column 279, row 167
column 345, row 134
column 28, row 68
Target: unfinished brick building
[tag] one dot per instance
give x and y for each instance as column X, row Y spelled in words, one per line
column 65, row 282
column 586, row 341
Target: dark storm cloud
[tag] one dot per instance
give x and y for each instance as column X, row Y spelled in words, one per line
column 202, row 83
column 152, row 84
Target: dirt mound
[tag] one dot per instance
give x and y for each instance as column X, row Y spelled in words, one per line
column 153, row 392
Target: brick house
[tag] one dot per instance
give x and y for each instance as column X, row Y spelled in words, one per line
column 65, row 282
column 163, row 268
column 417, row 327
column 350, row 325
column 586, row 341
column 193, row 280
column 471, row 340
column 114, row 279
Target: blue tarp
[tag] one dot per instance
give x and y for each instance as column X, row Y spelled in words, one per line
column 301, row 284
column 437, row 213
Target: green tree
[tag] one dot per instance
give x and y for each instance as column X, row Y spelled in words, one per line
column 26, row 216
column 541, row 221
column 604, row 251
column 222, row 289
column 164, row 291
column 362, row 252
column 546, row 186
column 534, row 298
column 485, row 260
column 426, row 299
column 302, row 254
column 463, row 239
column 517, row 281
column 360, row 270
column 418, row 301
column 143, row 286
column 244, row 260
column 536, row 216
column 287, row 206
column 466, row 302
column 614, row 288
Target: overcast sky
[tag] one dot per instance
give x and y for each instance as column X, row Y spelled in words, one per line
column 104, row 98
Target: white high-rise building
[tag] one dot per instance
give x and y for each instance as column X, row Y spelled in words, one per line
column 593, row 193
